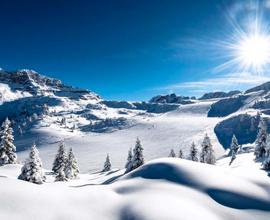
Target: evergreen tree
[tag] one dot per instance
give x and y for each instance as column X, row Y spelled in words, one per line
column 234, row 148
column 181, row 155
column 71, row 169
column 138, row 158
column 128, row 165
column 60, row 159
column 172, row 153
column 193, row 153
column 260, row 144
column 267, row 149
column 207, row 152
column 7, row 148
column 60, row 175
column 107, row 164
column 32, row 169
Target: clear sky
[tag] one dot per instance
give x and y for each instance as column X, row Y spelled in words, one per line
column 122, row 49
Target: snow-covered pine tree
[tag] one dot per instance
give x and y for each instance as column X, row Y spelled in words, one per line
column 181, row 154
column 107, row 164
column 128, row 164
column 138, row 158
column 172, row 153
column 60, row 158
column 32, row 169
column 72, row 169
column 234, row 148
column 260, row 144
column 61, row 176
column 193, row 153
column 207, row 152
column 7, row 148
column 267, row 149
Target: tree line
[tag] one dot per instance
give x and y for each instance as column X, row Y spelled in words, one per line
column 65, row 165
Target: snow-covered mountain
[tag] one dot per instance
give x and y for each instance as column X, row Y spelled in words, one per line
column 45, row 111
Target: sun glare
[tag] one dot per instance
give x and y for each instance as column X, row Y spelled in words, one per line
column 246, row 47
column 254, row 51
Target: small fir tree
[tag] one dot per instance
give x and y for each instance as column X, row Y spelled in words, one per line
column 128, row 164
column 107, row 164
column 60, row 158
column 71, row 170
column 60, row 175
column 193, row 153
column 234, row 148
column 207, row 152
column 32, row 169
column 260, row 144
column 172, row 153
column 7, row 148
column 138, row 158
column 181, row 154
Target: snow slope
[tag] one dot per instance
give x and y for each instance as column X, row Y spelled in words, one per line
column 166, row 188
column 158, row 133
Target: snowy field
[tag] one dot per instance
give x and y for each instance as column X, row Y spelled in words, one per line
column 158, row 134
column 167, row 188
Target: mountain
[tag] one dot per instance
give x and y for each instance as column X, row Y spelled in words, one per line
column 47, row 111
column 172, row 98
column 214, row 95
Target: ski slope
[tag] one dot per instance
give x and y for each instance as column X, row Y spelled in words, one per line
column 158, row 133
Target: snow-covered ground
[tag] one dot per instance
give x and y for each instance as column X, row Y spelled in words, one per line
column 158, row 133
column 166, row 188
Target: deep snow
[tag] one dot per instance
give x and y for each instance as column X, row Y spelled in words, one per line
column 166, row 188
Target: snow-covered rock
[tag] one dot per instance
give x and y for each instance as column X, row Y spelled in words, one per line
column 172, row 98
column 214, row 95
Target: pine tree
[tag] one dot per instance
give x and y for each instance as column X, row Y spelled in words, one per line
column 172, row 153
column 128, row 165
column 267, row 149
column 60, row 175
column 71, row 169
column 207, row 152
column 181, row 154
column 138, row 158
column 107, row 164
column 32, row 169
column 260, row 144
column 193, row 153
column 60, row 159
column 234, row 148
column 7, row 148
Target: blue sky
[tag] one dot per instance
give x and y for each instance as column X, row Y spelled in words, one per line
column 122, row 49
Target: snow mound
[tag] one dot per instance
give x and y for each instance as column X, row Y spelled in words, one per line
column 166, row 188
column 220, row 184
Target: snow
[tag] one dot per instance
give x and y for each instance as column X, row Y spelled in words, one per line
column 6, row 93
column 165, row 188
column 158, row 134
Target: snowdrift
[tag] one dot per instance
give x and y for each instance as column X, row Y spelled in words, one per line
column 167, row 188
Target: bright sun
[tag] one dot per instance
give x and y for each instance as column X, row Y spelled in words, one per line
column 254, row 51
